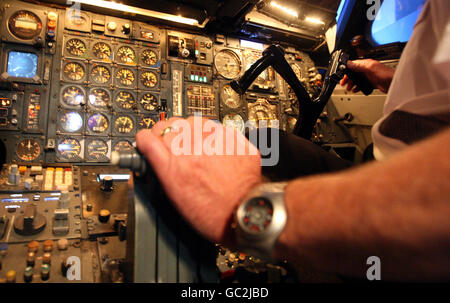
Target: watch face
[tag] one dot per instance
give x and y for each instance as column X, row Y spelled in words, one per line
column 257, row 215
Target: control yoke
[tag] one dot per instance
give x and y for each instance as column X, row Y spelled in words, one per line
column 309, row 110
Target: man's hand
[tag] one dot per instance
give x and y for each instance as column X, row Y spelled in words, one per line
column 378, row 74
column 205, row 189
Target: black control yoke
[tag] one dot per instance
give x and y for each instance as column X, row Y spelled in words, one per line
column 309, row 110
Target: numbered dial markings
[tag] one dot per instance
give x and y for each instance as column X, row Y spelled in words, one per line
column 149, row 79
column 99, row 97
column 97, row 149
column 76, row 47
column 125, row 100
column 100, row 74
column 235, row 121
column 123, row 145
column 69, row 148
column 230, row 97
column 28, row 150
column 71, row 122
column 149, row 102
column 149, row 57
column 24, row 25
column 74, row 71
column 98, row 123
column 124, row 125
column 101, row 51
column 228, row 64
column 73, row 96
column 126, row 54
column 146, row 123
column 125, row 76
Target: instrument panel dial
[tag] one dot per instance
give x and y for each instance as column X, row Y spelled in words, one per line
column 123, row 145
column 101, row 51
column 76, row 47
column 97, row 149
column 124, row 125
column 149, row 79
column 71, row 122
column 146, row 123
column 126, row 55
column 100, row 74
column 228, row 64
column 28, row 150
column 24, row 25
column 149, row 102
column 73, row 96
column 125, row 76
column 99, row 97
column 234, row 120
column 69, row 148
column 230, row 97
column 74, row 71
column 149, row 57
column 125, row 100
column 98, row 123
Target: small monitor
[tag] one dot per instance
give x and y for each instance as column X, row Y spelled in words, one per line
column 22, row 64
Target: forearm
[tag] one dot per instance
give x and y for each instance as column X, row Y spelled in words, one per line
column 398, row 210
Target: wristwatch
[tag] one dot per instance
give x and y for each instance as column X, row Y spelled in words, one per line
column 260, row 220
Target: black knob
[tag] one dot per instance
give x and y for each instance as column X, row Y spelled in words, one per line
column 107, row 184
column 126, row 29
column 31, row 222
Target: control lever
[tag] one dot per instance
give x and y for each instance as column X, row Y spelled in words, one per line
column 309, row 110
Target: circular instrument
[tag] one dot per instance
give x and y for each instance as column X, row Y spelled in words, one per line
column 149, row 57
column 69, row 148
column 125, row 100
column 97, row 149
column 28, row 150
column 74, row 71
column 98, row 123
column 99, row 97
column 258, row 214
column 230, row 97
column 73, row 96
column 76, row 47
column 149, row 102
column 101, row 51
column 124, row 125
column 24, row 25
column 71, row 122
column 149, row 79
column 147, row 122
column 250, row 58
column 234, row 120
column 228, row 64
column 126, row 55
column 100, row 74
column 125, row 76
column 123, row 145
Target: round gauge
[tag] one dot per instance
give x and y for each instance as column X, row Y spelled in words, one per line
column 149, row 79
column 73, row 96
column 230, row 97
column 76, row 47
column 297, row 70
column 98, row 123
column 234, row 120
column 69, row 148
column 149, row 102
column 28, row 150
column 100, row 74
column 257, row 214
column 101, row 51
column 125, row 100
column 149, row 57
column 123, row 145
column 250, row 59
column 71, row 122
column 125, row 76
column 99, row 97
column 228, row 64
column 97, row 149
column 74, row 71
column 126, row 55
column 147, row 122
column 24, row 25
column 124, row 125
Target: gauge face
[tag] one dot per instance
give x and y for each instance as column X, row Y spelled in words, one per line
column 250, row 59
column 97, row 149
column 99, row 97
column 258, row 214
column 230, row 97
column 124, row 125
column 234, row 120
column 123, row 145
column 228, row 64
column 100, row 74
column 149, row 102
column 28, row 150
column 98, row 123
column 73, row 96
column 125, row 100
column 126, row 55
column 24, row 25
column 101, row 51
column 262, row 110
column 149, row 57
column 74, row 71
column 69, row 148
column 76, row 47
column 125, row 76
column 147, row 122
column 71, row 122
column 149, row 79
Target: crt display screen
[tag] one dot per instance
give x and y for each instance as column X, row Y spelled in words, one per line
column 22, row 65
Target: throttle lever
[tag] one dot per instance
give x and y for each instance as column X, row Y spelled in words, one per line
column 358, row 78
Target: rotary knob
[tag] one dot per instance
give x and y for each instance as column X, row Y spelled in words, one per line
column 111, row 26
column 107, row 184
column 126, row 29
column 31, row 222
column 104, row 215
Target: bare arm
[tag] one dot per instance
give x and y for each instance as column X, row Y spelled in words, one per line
column 398, row 210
